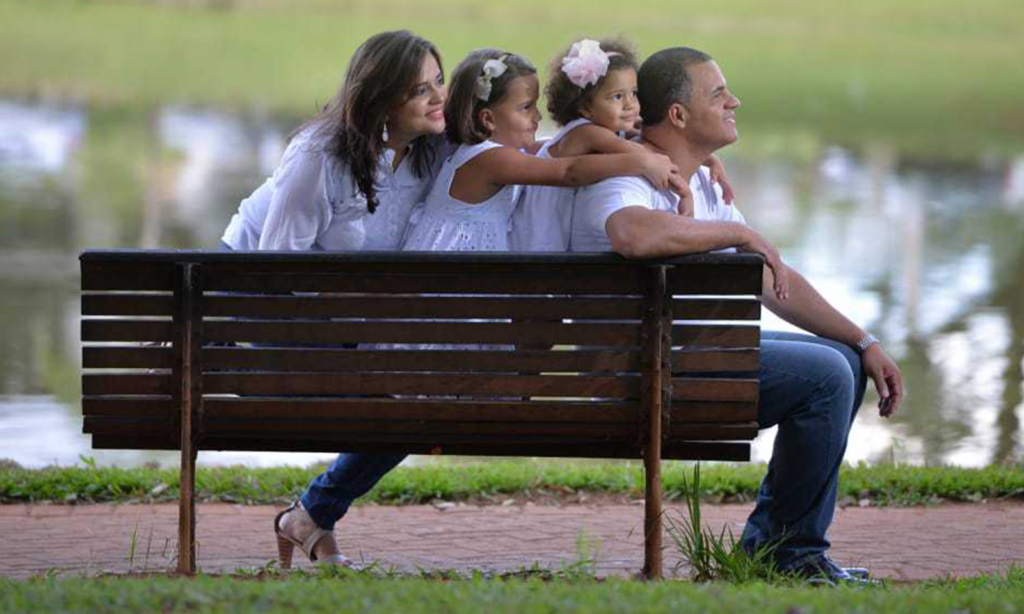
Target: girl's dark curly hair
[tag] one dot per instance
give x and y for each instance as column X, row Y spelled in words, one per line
column 565, row 99
column 379, row 77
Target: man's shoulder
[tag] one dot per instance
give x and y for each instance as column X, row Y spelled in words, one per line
column 623, row 191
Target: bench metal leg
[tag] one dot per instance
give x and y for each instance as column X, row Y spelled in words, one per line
column 652, row 508
column 656, row 399
column 189, row 397
column 187, row 512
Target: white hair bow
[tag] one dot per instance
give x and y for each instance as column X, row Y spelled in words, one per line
column 492, row 69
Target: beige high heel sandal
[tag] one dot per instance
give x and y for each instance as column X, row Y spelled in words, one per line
column 300, row 530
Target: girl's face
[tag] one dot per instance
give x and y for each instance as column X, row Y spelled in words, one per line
column 513, row 122
column 614, row 105
column 422, row 111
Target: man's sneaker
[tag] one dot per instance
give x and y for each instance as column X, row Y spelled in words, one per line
column 821, row 570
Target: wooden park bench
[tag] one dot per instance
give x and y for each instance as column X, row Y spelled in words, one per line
column 584, row 355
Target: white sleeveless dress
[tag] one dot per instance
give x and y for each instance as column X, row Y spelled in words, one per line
column 542, row 220
column 446, row 224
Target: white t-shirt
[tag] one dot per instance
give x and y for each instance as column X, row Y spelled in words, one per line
column 596, row 203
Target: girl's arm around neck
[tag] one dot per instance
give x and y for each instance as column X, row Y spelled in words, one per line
column 508, row 166
column 592, row 139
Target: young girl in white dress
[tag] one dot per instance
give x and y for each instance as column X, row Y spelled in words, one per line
column 492, row 116
column 592, row 95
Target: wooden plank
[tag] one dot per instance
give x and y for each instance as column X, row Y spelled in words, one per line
column 435, row 410
column 342, row 360
column 713, row 411
column 127, row 304
column 355, row 306
column 123, row 384
column 716, row 335
column 427, row 332
column 715, row 278
column 135, row 441
column 414, row 384
column 127, row 357
column 127, row 427
column 713, row 389
column 689, row 450
column 162, row 407
column 587, row 282
column 126, row 330
column 743, row 360
column 425, row 430
column 700, row 308
column 713, row 432
column 126, row 276
column 413, row 264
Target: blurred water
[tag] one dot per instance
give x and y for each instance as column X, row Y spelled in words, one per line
column 924, row 252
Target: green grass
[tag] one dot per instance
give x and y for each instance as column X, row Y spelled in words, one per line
column 881, row 484
column 363, row 593
column 935, row 77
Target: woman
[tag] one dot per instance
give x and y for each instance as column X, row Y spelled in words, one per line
column 348, row 180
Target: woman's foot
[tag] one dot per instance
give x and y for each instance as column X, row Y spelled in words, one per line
column 294, row 527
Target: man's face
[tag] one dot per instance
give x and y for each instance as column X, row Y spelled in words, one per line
column 712, row 117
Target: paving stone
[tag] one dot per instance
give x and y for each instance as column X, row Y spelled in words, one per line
column 898, row 543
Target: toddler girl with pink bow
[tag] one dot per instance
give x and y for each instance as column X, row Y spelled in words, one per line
column 592, row 95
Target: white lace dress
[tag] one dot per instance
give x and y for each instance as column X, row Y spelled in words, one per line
column 446, row 224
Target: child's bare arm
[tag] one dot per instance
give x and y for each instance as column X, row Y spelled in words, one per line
column 718, row 176
column 592, row 139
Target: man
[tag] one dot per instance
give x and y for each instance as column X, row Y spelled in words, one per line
column 811, row 385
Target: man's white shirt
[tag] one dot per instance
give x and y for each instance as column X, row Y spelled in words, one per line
column 596, row 203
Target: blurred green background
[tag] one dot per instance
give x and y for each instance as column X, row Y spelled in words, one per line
column 882, row 150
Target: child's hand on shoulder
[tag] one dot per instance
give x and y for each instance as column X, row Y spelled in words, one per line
column 685, row 206
column 718, row 176
column 659, row 170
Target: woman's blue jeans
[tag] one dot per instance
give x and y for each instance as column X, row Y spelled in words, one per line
column 810, row 387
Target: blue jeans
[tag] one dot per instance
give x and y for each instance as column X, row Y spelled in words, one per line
column 811, row 388
column 350, row 476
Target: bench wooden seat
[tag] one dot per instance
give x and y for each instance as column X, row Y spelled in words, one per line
column 567, row 355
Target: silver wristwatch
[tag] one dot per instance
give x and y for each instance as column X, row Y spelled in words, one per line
column 866, row 342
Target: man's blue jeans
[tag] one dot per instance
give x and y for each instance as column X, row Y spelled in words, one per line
column 810, row 387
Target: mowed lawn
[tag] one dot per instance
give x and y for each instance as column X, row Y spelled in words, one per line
column 942, row 75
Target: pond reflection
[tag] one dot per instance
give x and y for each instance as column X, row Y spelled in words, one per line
column 925, row 253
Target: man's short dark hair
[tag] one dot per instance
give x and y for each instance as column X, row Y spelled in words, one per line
column 663, row 80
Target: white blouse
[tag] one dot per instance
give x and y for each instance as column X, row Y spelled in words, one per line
column 311, row 202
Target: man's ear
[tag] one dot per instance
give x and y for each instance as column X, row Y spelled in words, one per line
column 487, row 119
column 678, row 115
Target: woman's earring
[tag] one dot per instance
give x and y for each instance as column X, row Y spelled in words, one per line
column 384, row 135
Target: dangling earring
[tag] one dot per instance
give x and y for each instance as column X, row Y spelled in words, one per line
column 384, row 134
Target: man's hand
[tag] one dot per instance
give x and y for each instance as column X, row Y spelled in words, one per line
column 780, row 273
column 888, row 379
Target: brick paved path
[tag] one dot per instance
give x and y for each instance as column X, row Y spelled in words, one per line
column 902, row 544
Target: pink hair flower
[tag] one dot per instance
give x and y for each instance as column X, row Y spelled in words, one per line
column 586, row 63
